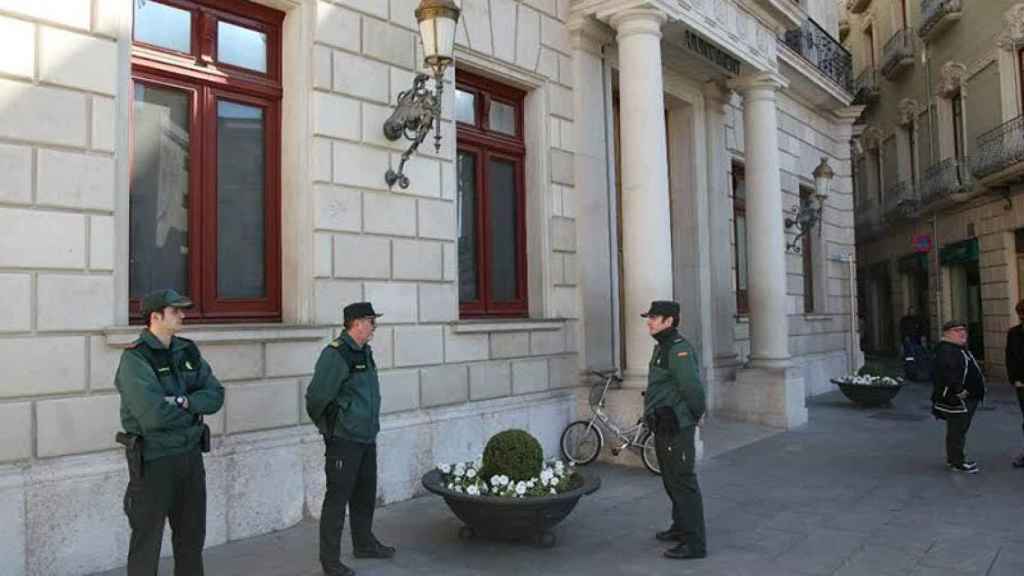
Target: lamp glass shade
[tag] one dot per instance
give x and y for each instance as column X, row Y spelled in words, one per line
column 438, row 35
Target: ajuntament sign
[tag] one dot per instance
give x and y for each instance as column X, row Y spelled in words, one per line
column 711, row 53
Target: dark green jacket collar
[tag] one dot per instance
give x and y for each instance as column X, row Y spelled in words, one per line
column 347, row 339
column 667, row 336
column 150, row 339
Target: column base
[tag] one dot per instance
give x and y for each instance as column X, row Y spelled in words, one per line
column 771, row 396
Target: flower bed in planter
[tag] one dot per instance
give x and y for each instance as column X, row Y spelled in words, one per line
column 492, row 503
column 869, row 391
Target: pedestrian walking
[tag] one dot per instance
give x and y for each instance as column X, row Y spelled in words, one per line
column 166, row 388
column 959, row 386
column 673, row 406
column 1015, row 367
column 343, row 399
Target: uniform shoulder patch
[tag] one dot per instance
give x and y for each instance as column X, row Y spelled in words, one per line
column 682, row 354
column 335, row 343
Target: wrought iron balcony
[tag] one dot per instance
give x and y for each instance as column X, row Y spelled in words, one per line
column 900, row 200
column 898, row 53
column 943, row 180
column 857, row 6
column 865, row 89
column 937, row 14
column 823, row 51
column 999, row 155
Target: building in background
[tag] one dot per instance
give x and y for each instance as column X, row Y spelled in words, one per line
column 937, row 165
column 592, row 159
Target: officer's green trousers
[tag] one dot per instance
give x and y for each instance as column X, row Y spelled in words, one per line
column 351, row 469
column 172, row 488
column 676, row 455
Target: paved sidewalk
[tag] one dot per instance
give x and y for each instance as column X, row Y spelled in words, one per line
column 855, row 492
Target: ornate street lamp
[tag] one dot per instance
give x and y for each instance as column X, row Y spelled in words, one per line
column 418, row 109
column 809, row 214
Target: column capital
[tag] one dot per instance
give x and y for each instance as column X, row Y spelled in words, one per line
column 588, row 33
column 849, row 115
column 761, row 82
column 638, row 21
column 716, row 95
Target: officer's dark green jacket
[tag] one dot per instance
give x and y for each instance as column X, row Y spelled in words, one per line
column 673, row 379
column 147, row 374
column 346, row 375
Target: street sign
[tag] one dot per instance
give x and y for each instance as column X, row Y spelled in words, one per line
column 921, row 242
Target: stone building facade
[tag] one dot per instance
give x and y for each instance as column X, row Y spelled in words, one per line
column 936, row 165
column 592, row 158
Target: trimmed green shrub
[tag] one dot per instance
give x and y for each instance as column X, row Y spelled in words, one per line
column 513, row 453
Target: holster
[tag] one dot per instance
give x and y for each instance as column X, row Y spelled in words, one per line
column 204, row 437
column 133, row 453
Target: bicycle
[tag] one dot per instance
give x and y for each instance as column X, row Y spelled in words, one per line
column 583, row 440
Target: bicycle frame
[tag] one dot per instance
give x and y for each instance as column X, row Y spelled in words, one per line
column 628, row 437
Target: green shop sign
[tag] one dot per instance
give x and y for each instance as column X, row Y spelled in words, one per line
column 959, row 253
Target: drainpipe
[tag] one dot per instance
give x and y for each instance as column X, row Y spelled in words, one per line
column 852, row 346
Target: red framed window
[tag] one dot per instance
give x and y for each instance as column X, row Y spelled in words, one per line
column 739, row 219
column 491, row 198
column 205, row 196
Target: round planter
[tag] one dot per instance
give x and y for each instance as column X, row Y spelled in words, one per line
column 868, row 395
column 511, row 518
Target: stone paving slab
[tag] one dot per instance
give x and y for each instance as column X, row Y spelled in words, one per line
column 854, row 492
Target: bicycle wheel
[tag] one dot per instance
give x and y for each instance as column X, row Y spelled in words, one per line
column 581, row 442
column 649, row 454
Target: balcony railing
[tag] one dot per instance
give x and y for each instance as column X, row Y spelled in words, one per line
column 865, row 89
column 937, row 14
column 1000, row 150
column 951, row 176
column 857, row 6
column 823, row 51
column 898, row 53
column 900, row 200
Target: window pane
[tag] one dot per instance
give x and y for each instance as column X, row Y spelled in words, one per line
column 741, row 251
column 158, row 200
column 240, row 192
column 465, row 107
column 164, row 26
column 501, row 196
column 467, row 227
column 241, row 47
column 502, row 118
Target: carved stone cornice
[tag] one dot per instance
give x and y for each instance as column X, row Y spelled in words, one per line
column 871, row 138
column 907, row 111
column 951, row 79
column 1012, row 37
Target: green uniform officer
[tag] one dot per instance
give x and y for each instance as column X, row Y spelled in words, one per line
column 166, row 388
column 673, row 406
column 343, row 399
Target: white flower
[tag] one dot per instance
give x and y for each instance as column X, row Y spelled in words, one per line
column 483, row 488
column 458, row 489
column 496, row 480
column 473, row 491
column 505, row 480
column 445, row 468
column 521, row 488
column 450, row 486
column 531, row 483
column 553, row 491
column 459, row 472
column 471, row 473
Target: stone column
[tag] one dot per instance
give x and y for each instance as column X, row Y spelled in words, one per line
column 770, row 390
column 724, row 360
column 594, row 195
column 766, row 239
column 647, row 238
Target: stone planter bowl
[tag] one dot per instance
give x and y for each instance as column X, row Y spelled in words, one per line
column 511, row 518
column 868, row 395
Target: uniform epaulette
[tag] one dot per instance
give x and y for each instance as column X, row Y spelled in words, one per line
column 335, row 343
column 185, row 340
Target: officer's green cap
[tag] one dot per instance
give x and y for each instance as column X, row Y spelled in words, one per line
column 663, row 308
column 359, row 310
column 953, row 324
column 157, row 301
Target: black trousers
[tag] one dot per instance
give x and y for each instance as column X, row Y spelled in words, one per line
column 351, row 469
column 1020, row 399
column 957, row 426
column 676, row 455
column 171, row 489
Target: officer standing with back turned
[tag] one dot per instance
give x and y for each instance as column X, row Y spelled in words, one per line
column 166, row 388
column 343, row 399
column 673, row 405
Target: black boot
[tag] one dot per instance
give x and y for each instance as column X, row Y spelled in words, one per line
column 683, row 552
column 670, row 535
column 339, row 570
column 374, row 550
